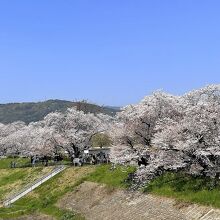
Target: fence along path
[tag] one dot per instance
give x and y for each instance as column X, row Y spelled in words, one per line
column 33, row 186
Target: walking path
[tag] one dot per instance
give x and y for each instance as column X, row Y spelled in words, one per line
column 33, row 186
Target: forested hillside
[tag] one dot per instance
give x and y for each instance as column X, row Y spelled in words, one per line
column 30, row 111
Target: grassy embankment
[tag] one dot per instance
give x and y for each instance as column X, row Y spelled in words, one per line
column 44, row 199
column 186, row 188
column 6, row 162
column 12, row 180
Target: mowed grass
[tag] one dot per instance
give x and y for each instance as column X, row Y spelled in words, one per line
column 44, row 198
column 187, row 188
column 20, row 162
column 116, row 178
column 13, row 180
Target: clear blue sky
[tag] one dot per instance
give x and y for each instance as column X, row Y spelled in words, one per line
column 111, row 52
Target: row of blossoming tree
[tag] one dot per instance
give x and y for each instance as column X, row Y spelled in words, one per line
column 170, row 133
column 162, row 133
column 68, row 132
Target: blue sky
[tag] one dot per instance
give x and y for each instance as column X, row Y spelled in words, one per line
column 111, row 52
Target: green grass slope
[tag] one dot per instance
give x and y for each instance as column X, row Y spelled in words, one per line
column 186, row 188
column 43, row 200
column 6, row 162
column 13, row 180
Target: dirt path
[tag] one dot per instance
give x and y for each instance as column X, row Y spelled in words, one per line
column 97, row 202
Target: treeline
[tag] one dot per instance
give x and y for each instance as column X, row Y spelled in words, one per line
column 162, row 133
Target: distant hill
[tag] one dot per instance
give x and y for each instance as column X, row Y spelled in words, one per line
column 31, row 111
column 117, row 109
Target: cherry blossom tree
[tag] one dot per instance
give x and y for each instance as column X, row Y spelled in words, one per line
column 7, row 134
column 136, row 123
column 162, row 132
column 74, row 129
column 183, row 133
column 70, row 131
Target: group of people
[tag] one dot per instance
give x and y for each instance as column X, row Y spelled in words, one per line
column 98, row 158
column 44, row 160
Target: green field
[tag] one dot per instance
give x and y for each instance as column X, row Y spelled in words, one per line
column 20, row 162
column 113, row 178
column 44, row 198
column 186, row 188
column 13, row 180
